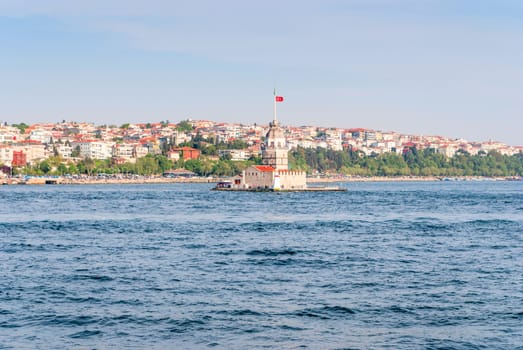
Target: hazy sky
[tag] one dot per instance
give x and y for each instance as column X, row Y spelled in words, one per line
column 452, row 68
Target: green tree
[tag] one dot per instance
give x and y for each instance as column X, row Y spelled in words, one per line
column 44, row 167
column 147, row 165
column 226, row 156
column 72, row 169
column 75, row 153
column 223, row 168
column 54, row 161
column 163, row 163
column 61, row 169
column 86, row 166
column 206, row 167
column 21, row 126
column 184, row 126
column 416, row 162
column 193, row 165
column 209, row 150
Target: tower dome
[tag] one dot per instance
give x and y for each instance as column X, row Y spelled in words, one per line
column 275, row 152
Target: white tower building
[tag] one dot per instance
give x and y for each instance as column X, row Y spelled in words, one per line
column 274, row 174
column 275, row 152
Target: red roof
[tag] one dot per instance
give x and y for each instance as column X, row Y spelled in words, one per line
column 265, row 168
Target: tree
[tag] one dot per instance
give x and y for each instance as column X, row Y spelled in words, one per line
column 54, row 161
column 416, row 162
column 297, row 160
column 223, row 168
column 87, row 166
column 226, row 156
column 44, row 167
column 21, row 127
column 184, row 126
column 72, row 169
column 75, row 153
column 209, row 150
column 61, row 169
column 147, row 165
column 206, row 167
column 194, row 165
column 163, row 163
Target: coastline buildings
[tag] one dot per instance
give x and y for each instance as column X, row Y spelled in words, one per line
column 72, row 141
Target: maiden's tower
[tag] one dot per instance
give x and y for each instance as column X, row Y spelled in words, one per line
column 274, row 173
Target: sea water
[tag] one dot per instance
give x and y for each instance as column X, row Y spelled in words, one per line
column 435, row 265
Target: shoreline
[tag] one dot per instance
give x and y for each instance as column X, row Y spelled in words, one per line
column 163, row 180
column 413, row 179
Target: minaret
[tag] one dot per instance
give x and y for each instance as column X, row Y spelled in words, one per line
column 275, row 152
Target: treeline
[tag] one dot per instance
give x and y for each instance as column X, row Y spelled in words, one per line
column 148, row 165
column 413, row 162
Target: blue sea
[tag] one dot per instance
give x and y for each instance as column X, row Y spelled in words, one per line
column 418, row 265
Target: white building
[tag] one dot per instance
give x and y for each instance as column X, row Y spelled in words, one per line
column 128, row 151
column 6, row 155
column 235, row 154
column 8, row 135
column 64, row 150
column 447, row 149
column 40, row 135
column 94, row 149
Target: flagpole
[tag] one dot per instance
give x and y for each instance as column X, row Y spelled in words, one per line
column 274, row 101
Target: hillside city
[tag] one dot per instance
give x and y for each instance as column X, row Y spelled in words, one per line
column 22, row 145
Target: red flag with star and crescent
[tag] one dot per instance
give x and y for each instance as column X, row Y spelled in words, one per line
column 278, row 98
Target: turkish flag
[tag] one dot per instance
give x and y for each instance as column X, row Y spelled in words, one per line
column 279, row 98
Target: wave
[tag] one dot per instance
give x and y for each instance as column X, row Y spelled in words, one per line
column 64, row 320
column 85, row 334
column 98, row 278
column 241, row 312
column 184, row 325
column 272, row 252
column 325, row 312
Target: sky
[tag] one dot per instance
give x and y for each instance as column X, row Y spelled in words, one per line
column 445, row 67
